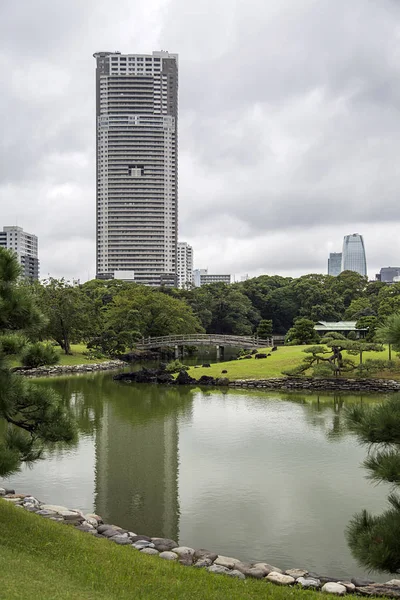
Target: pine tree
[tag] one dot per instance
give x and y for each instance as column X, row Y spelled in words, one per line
column 375, row 540
column 33, row 416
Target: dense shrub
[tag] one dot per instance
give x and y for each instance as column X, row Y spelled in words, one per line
column 176, row 366
column 39, row 354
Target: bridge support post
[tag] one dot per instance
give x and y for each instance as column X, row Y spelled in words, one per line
column 220, row 352
column 176, row 352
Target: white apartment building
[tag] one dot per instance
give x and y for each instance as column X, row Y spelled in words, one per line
column 25, row 245
column 137, row 166
column 203, row 277
column 185, row 265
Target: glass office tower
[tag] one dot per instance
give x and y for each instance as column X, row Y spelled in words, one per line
column 353, row 255
column 335, row 263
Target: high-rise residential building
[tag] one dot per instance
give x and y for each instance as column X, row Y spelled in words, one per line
column 25, row 245
column 388, row 274
column 185, row 265
column 202, row 277
column 335, row 263
column 137, row 166
column 353, row 255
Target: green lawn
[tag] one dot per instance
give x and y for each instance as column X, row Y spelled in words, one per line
column 286, row 357
column 76, row 358
column 43, row 560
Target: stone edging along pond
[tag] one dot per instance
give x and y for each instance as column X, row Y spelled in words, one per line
column 70, row 369
column 168, row 549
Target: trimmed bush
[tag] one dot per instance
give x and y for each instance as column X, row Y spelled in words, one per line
column 39, row 355
column 176, row 366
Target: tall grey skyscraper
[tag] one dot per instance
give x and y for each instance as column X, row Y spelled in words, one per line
column 335, row 263
column 25, row 245
column 353, row 255
column 137, row 167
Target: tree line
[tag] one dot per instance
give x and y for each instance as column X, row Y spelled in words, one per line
column 111, row 315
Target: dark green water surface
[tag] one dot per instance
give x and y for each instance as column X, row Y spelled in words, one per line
column 254, row 475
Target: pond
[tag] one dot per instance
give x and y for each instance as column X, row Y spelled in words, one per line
column 255, row 475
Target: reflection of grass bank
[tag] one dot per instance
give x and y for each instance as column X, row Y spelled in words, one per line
column 286, row 357
column 44, row 560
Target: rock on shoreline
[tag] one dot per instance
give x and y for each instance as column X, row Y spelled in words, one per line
column 70, row 369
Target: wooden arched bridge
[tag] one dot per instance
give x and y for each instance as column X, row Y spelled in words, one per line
column 204, row 339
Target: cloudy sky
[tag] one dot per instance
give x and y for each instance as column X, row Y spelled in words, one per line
column 289, row 126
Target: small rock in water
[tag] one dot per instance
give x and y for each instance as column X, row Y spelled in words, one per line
column 55, row 508
column 296, row 573
column 202, row 563
column 163, row 544
column 267, row 568
column 350, row 587
column 361, row 582
column 140, row 545
column 309, row 582
column 183, row 551
column 280, row 578
column 393, row 582
column 334, row 588
column 109, row 533
column 226, row 561
column 168, row 555
column 202, row 553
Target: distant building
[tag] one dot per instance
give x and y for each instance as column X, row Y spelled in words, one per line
column 388, row 274
column 353, row 255
column 25, row 245
column 202, row 277
column 335, row 264
column 185, row 265
column 342, row 327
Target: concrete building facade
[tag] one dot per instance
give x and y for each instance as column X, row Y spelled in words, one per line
column 185, row 265
column 202, row 277
column 25, row 245
column 137, row 166
column 335, row 264
column 389, row 274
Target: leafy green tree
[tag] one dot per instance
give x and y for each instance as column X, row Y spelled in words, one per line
column 389, row 332
column 375, row 540
column 302, row 332
column 224, row 309
column 359, row 307
column 69, row 311
column 349, row 285
column 264, row 329
column 34, row 416
column 371, row 323
column 143, row 311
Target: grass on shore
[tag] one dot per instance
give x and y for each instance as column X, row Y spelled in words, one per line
column 47, row 561
column 286, row 357
column 76, row 358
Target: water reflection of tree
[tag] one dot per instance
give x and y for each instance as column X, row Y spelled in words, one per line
column 327, row 412
column 375, row 540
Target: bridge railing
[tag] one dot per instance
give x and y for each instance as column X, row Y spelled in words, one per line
column 203, row 338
